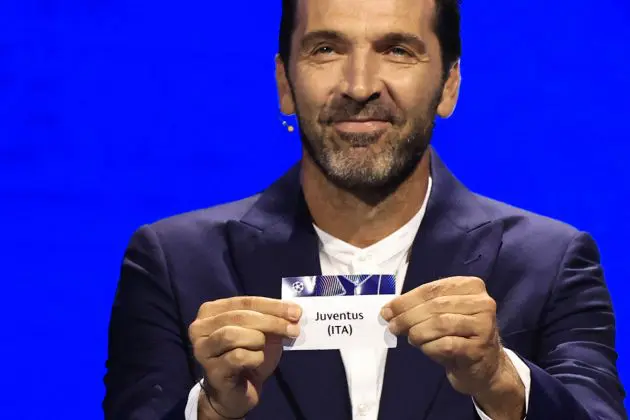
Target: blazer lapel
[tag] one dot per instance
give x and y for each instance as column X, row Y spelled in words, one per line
column 456, row 238
column 274, row 240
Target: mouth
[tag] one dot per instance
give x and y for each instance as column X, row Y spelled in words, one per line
column 361, row 126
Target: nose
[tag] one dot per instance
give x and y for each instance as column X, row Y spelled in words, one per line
column 361, row 79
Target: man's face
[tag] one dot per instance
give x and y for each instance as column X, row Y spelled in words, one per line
column 365, row 80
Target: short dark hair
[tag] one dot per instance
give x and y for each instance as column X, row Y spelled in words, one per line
column 447, row 29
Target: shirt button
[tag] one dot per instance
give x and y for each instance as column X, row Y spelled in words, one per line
column 363, row 409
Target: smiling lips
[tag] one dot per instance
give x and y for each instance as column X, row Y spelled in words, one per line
column 361, row 126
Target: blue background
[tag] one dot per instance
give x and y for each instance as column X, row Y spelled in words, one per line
column 114, row 113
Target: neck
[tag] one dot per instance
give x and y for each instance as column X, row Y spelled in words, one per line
column 345, row 216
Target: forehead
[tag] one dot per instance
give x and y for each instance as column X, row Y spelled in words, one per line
column 365, row 16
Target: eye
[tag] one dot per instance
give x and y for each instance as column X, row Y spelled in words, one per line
column 399, row 52
column 324, row 49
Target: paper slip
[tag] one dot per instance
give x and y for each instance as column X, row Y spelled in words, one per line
column 342, row 311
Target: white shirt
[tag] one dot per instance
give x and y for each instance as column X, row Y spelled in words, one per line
column 365, row 367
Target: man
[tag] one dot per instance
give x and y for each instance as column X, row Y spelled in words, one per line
column 503, row 314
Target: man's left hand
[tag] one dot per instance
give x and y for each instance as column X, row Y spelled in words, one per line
column 453, row 321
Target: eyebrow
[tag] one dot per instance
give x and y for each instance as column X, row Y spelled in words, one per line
column 404, row 38
column 321, row 35
column 387, row 39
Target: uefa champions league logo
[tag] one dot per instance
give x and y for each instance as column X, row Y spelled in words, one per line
column 339, row 285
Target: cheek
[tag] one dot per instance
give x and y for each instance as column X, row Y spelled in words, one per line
column 411, row 87
column 411, row 93
column 314, row 87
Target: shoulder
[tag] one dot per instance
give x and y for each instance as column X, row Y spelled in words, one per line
column 200, row 225
column 536, row 242
column 530, row 226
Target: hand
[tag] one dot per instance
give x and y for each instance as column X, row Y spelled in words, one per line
column 238, row 341
column 453, row 321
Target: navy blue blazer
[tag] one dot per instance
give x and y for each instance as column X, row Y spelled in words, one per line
column 554, row 309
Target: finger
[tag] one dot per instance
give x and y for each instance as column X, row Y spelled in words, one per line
column 228, row 338
column 238, row 360
column 453, row 351
column 266, row 324
column 281, row 309
column 463, row 305
column 444, row 325
column 232, row 364
column 452, row 286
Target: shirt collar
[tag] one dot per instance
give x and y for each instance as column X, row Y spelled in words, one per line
column 385, row 249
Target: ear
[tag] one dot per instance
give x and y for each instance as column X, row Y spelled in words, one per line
column 450, row 92
column 287, row 107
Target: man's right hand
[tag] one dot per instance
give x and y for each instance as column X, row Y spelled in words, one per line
column 238, row 341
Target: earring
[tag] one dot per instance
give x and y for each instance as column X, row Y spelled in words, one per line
column 288, row 126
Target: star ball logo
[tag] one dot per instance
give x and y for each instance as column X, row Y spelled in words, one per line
column 298, row 286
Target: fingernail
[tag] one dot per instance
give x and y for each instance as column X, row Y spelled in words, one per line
column 387, row 313
column 295, row 312
column 293, row 330
column 392, row 328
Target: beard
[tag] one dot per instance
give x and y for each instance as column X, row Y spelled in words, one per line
column 370, row 165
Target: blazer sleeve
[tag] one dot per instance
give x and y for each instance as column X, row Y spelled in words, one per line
column 148, row 369
column 575, row 376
